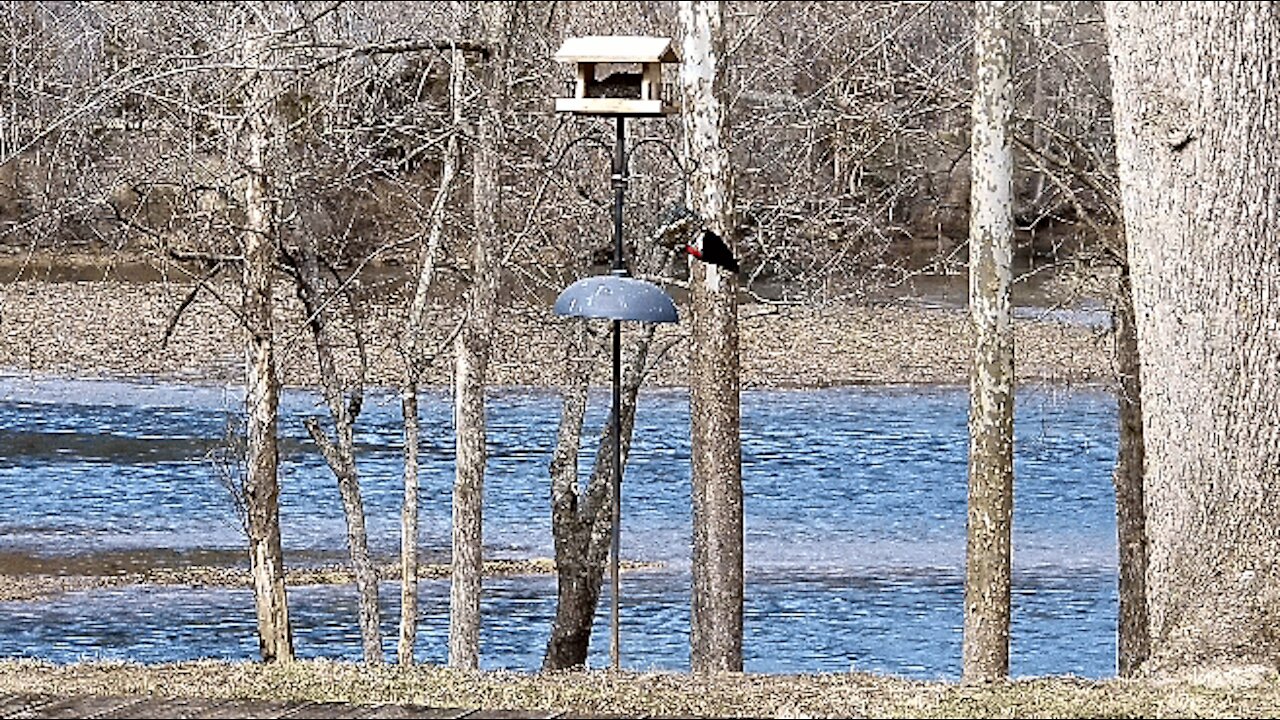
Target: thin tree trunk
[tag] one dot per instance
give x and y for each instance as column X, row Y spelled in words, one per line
column 1195, row 107
column 344, row 404
column 716, row 620
column 1035, row 13
column 409, row 524
column 262, row 489
column 1132, row 632
column 414, row 362
column 472, row 355
column 990, row 515
column 341, row 461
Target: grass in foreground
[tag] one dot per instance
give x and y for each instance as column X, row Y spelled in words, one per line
column 665, row 694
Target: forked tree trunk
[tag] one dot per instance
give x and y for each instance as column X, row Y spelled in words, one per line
column 582, row 521
column 472, row 353
column 581, row 518
column 1133, row 642
column 990, row 514
column 716, row 620
column 344, row 395
column 1195, row 112
column 414, row 365
column 262, row 396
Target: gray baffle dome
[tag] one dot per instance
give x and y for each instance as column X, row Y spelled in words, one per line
column 615, row 297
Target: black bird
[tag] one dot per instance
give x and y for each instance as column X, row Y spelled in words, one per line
column 703, row 244
column 710, row 249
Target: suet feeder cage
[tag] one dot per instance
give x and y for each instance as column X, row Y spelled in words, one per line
column 617, row 75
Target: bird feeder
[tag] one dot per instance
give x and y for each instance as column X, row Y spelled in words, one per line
column 617, row 75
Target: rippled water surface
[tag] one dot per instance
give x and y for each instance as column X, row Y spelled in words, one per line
column 855, row 504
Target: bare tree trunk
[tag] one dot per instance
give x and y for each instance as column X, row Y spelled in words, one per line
column 472, row 354
column 344, row 397
column 1035, row 12
column 409, row 524
column 580, row 526
column 261, row 483
column 582, row 522
column 468, row 493
column 716, row 628
column 414, row 364
column 990, row 516
column 1195, row 141
column 1132, row 631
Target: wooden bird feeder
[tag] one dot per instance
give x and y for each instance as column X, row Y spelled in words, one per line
column 617, row 75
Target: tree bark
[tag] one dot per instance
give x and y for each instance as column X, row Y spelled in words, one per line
column 716, row 620
column 580, row 526
column 468, row 491
column 472, row 353
column 581, row 518
column 414, row 365
column 409, row 524
column 1133, row 642
column 262, row 397
column 1195, row 108
column 990, row 515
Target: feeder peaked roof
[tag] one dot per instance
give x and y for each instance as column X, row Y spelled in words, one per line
column 617, row 49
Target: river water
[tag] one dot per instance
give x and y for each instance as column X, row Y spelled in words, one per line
column 855, row 519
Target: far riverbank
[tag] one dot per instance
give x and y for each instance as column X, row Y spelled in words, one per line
column 118, row 329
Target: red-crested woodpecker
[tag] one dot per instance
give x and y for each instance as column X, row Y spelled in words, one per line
column 683, row 227
column 711, row 249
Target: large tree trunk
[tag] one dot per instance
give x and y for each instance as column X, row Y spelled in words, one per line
column 1195, row 107
column 415, row 363
column 1133, row 643
column 261, row 484
column 990, row 516
column 716, row 623
column 580, row 522
column 472, row 352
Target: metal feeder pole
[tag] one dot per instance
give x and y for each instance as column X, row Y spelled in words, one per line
column 616, row 296
column 619, row 269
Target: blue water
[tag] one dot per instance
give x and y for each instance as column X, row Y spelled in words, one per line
column 855, row 517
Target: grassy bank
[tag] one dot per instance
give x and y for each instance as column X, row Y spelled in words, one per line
column 1241, row 694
